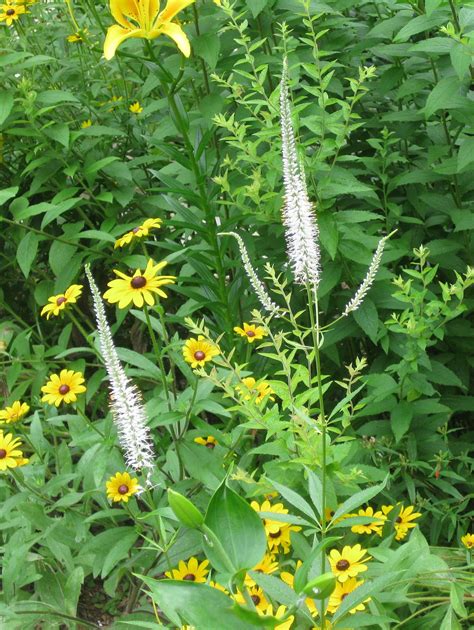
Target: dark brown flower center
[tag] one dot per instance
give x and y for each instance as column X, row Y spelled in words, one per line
column 60, row 300
column 255, row 599
column 3, row 453
column 123, row 489
column 135, row 229
column 10, row 12
column 190, row 577
column 63, row 389
column 250, row 333
column 342, row 565
column 210, row 444
column 275, row 534
column 343, row 596
column 138, row 282
column 398, row 519
column 199, row 355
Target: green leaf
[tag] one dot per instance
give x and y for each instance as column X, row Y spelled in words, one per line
column 26, row 252
column 238, row 529
column 6, row 104
column 256, row 6
column 364, row 591
column 445, row 95
column 465, row 153
column 295, row 499
column 367, row 318
column 359, row 499
column 119, row 550
column 450, row 621
column 200, row 605
column 207, row 46
column 8, row 193
column 418, row 25
column 58, row 132
column 400, row 418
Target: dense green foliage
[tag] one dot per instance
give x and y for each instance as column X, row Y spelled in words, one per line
column 382, row 101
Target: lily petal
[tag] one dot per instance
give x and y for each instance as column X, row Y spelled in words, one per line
column 121, row 9
column 116, row 35
column 178, row 36
column 172, row 8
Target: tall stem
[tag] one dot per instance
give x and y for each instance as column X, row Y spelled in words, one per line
column 158, row 354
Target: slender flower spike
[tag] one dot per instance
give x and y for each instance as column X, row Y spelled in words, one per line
column 56, row 303
column 12, row 414
column 143, row 19
column 367, row 282
column 301, row 229
column 126, row 404
column 258, row 286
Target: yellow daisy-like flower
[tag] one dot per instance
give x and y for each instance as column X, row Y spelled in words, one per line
column 190, row 571
column 143, row 18
column 11, row 12
column 85, row 124
column 78, row 37
column 121, row 487
column 57, row 303
column 349, row 562
column 12, row 414
column 403, row 522
column 267, row 565
column 209, row 442
column 140, row 287
column 369, row 528
column 278, row 532
column 10, row 454
column 138, row 232
column 257, row 596
column 135, row 108
column 251, row 332
column 289, row 579
column 329, row 512
column 198, row 351
column 340, row 593
column 63, row 387
column 252, row 389
column 279, row 614
column 219, row 587
column 468, row 541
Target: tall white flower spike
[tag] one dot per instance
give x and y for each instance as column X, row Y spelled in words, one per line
column 126, row 402
column 301, row 228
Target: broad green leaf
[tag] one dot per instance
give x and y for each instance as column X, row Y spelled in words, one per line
column 58, row 132
column 238, row 529
column 445, row 95
column 420, row 24
column 6, row 104
column 118, row 551
column 8, row 193
column 360, row 594
column 256, row 6
column 465, row 153
column 400, row 418
column 295, row 499
column 26, row 252
column 367, row 318
column 359, row 499
column 207, row 46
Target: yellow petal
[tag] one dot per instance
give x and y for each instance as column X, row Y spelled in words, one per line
column 116, row 35
column 122, row 8
column 178, row 36
column 172, row 8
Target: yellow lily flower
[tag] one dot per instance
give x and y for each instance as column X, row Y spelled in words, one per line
column 143, row 18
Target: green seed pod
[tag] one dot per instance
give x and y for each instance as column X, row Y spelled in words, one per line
column 321, row 587
column 184, row 510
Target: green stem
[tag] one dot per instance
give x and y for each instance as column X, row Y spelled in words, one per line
column 89, row 422
column 158, row 353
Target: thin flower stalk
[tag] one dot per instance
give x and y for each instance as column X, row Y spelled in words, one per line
column 257, row 284
column 299, row 220
column 126, row 403
column 367, row 282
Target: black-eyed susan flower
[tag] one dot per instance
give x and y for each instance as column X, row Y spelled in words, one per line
column 251, row 389
column 56, row 303
column 63, row 387
column 279, row 614
column 251, row 332
column 10, row 454
column 78, row 37
column 121, row 487
column 403, row 521
column 10, row 12
column 190, row 571
column 278, row 532
column 468, row 541
column 138, row 232
column 369, row 528
column 267, row 565
column 340, row 593
column 349, row 562
column 209, row 442
column 199, row 351
column 219, row 587
column 140, row 287
column 135, row 108
column 12, row 414
column 85, row 124
column 258, row 597
column 142, row 18
column 289, row 579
